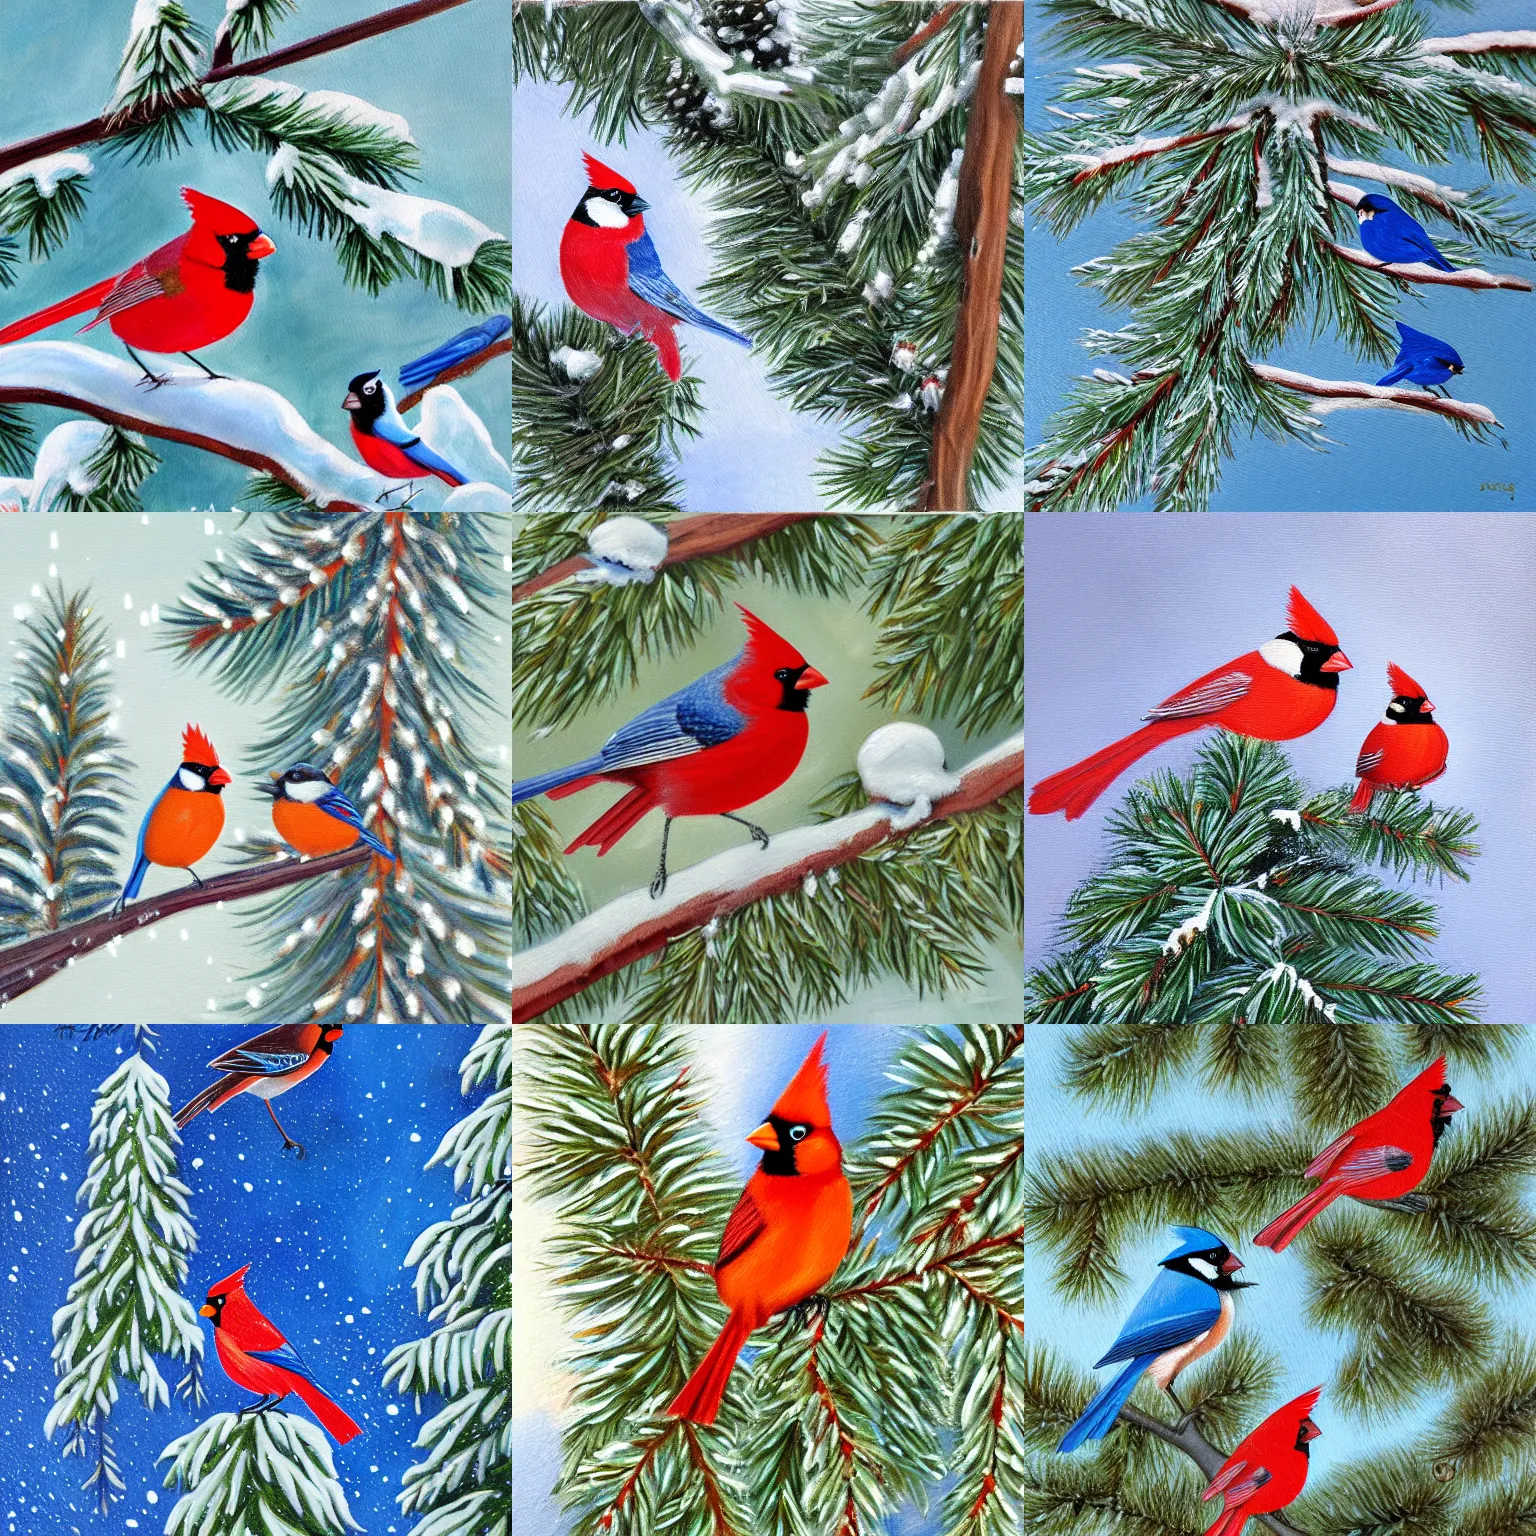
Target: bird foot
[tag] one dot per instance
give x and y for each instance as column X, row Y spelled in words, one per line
column 802, row 1312
column 154, row 380
column 658, row 885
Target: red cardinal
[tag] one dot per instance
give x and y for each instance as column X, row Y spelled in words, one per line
column 188, row 294
column 256, row 1356
column 720, row 743
column 266, row 1067
column 1269, row 1467
column 1382, row 1158
column 1406, row 749
column 612, row 272
column 1282, row 690
column 787, row 1235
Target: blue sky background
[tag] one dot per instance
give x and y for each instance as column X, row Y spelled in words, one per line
column 1386, row 460
column 309, row 332
column 745, row 1067
column 1273, row 1310
column 1172, row 596
column 325, row 1239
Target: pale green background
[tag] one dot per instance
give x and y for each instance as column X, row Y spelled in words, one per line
column 838, row 638
column 188, row 968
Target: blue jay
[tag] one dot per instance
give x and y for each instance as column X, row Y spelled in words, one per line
column 1183, row 1315
column 1422, row 359
column 1391, row 235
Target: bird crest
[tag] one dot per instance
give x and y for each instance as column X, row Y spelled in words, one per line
column 1306, row 622
column 603, row 178
column 1430, row 1080
column 1299, row 1407
column 1402, row 684
column 196, row 748
column 767, row 644
column 216, row 217
column 230, row 1283
column 804, row 1100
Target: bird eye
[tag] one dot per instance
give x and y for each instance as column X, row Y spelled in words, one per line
column 782, row 674
column 797, row 1133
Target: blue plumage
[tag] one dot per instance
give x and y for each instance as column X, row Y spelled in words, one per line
column 647, row 279
column 684, row 722
column 1391, row 235
column 420, row 372
column 335, row 803
column 1422, row 359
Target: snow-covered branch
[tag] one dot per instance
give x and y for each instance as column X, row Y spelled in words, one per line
column 981, row 233
column 1145, row 149
column 1481, row 42
column 233, row 418
column 462, row 370
column 1389, row 175
column 924, row 34
column 1348, row 15
column 635, row 925
column 713, row 64
column 28, row 965
column 110, row 125
column 1352, row 394
column 1422, row 272
column 710, row 533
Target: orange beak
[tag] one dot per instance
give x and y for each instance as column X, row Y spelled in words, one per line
column 1338, row 662
column 811, row 678
column 206, row 1311
column 262, row 247
column 218, row 776
column 765, row 1137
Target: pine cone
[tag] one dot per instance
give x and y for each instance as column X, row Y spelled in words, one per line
column 750, row 30
column 695, row 111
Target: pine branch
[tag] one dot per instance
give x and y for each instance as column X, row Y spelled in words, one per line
column 1344, row 394
column 635, row 925
column 924, row 34
column 1422, row 272
column 29, row 964
column 1485, row 1431
column 110, row 126
column 981, row 231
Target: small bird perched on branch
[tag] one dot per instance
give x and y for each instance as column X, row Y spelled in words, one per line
column 1269, row 1467
column 266, row 1067
column 312, row 815
column 1182, row 1316
column 1424, row 360
column 190, row 293
column 787, row 1235
column 1384, row 1157
column 1406, row 749
column 256, row 1356
column 383, row 440
column 1282, row 690
column 720, row 743
column 1391, row 235
column 612, row 272
column 186, row 817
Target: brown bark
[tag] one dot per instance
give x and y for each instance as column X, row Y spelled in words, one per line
column 711, row 533
column 981, row 228
column 929, row 29
column 979, row 787
column 30, row 963
column 99, row 128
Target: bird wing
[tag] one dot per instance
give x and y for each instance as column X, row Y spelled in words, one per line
column 154, row 277
column 1368, row 760
column 649, row 282
column 741, row 1231
column 1404, row 227
column 1237, row 1492
column 395, row 432
column 1370, row 1163
column 1174, row 1309
column 335, row 803
column 679, row 725
column 1325, row 1159
column 286, row 1356
column 1398, row 372
column 1203, row 697
column 288, row 1046
column 456, row 349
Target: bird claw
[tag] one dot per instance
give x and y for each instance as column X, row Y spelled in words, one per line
column 154, row 380
column 816, row 1306
column 658, row 885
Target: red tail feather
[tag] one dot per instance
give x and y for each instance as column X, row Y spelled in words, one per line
column 1229, row 1524
column 1279, row 1233
column 1362, row 798
column 615, row 821
column 700, row 1399
column 337, row 1425
column 88, row 298
column 662, row 338
column 1074, row 789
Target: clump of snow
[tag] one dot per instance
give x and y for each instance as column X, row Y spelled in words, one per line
column 853, row 231
column 61, row 463
column 1282, row 971
column 903, row 764
column 448, row 425
column 1185, row 934
column 335, row 106
column 1292, row 819
column 932, row 391
column 878, row 290
column 624, row 550
column 284, row 165
column 576, row 364
column 904, row 357
column 710, row 930
column 942, row 217
column 48, row 172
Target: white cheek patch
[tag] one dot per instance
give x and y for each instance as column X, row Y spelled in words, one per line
column 188, row 780
column 609, row 215
column 1283, row 655
column 308, row 791
column 1201, row 1267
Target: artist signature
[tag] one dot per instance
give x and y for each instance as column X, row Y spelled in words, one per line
column 1507, row 486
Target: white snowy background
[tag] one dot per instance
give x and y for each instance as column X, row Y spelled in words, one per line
column 191, row 967
column 325, row 1239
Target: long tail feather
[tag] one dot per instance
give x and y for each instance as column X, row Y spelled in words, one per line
column 1228, row 1524
column 526, row 789
column 615, row 821
column 1362, row 797
column 76, row 304
column 1099, row 1416
column 1279, row 1233
column 194, row 1107
column 1074, row 789
column 337, row 1425
column 699, row 1400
